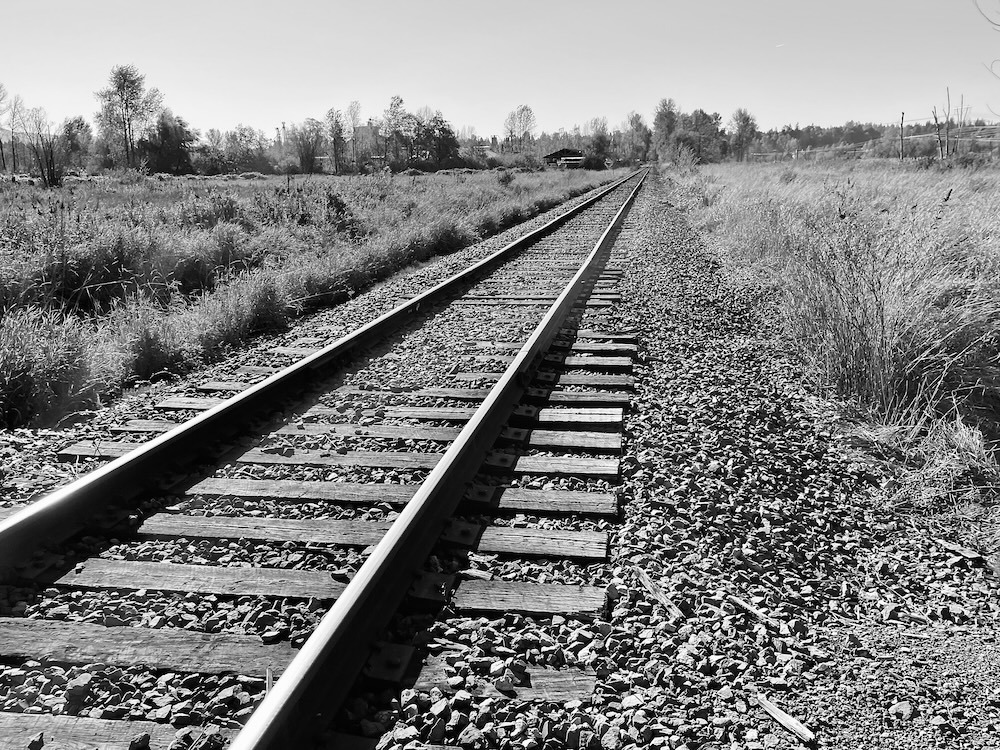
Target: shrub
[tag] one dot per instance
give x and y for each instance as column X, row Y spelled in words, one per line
column 889, row 301
column 43, row 366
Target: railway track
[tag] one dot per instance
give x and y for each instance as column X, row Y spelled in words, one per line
column 223, row 574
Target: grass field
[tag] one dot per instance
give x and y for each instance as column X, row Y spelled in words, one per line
column 887, row 280
column 111, row 282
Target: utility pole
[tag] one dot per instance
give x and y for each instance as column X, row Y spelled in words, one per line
column 937, row 127
column 947, row 124
column 901, row 116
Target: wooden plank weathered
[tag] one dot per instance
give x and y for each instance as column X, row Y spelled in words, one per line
column 561, row 378
column 378, row 459
column 146, row 425
column 528, row 598
column 575, row 440
column 534, row 542
column 225, row 386
column 529, row 542
column 402, row 432
column 64, row 732
column 606, row 416
column 171, row 649
column 556, row 465
column 293, row 351
column 575, row 398
column 347, row 532
column 98, row 573
column 514, row 499
column 97, row 449
column 588, row 333
column 595, row 362
column 301, row 491
column 557, row 501
column 188, row 403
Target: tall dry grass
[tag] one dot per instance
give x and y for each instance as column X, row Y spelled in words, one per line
column 887, row 283
column 137, row 279
column 889, row 278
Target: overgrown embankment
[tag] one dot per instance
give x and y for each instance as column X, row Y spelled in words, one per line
column 886, row 283
column 888, row 280
column 110, row 283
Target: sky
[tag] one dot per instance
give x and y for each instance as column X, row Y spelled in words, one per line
column 219, row 63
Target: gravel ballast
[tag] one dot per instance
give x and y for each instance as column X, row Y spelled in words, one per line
column 758, row 558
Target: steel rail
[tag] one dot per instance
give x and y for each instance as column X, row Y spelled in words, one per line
column 312, row 687
column 64, row 512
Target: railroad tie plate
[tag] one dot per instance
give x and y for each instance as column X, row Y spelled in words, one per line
column 388, row 662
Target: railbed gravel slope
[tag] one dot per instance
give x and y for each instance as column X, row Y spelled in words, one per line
column 794, row 576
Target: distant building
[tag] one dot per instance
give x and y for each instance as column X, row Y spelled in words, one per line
column 565, row 157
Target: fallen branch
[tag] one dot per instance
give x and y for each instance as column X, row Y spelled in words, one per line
column 759, row 614
column 788, row 721
column 672, row 609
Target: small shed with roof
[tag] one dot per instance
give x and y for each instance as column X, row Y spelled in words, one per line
column 565, row 157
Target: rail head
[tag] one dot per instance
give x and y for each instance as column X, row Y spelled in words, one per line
column 64, row 512
column 319, row 677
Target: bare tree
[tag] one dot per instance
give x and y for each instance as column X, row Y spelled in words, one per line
column 126, row 107
column 14, row 111
column 3, row 108
column 43, row 144
column 519, row 126
column 510, row 128
column 352, row 119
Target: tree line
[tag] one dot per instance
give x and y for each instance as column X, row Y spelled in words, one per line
column 133, row 129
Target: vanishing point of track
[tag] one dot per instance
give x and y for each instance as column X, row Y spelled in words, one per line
column 555, row 390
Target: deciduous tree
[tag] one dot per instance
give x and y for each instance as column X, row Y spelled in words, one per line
column 335, row 138
column 438, row 139
column 126, row 107
column 244, row 149
column 600, row 144
column 307, row 139
column 701, row 133
column 77, row 137
column 168, row 145
column 664, row 124
column 742, row 130
column 636, row 138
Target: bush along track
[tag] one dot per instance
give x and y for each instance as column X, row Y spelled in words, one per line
column 759, row 564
